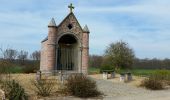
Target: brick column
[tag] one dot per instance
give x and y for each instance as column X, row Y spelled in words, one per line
column 51, row 52
column 85, row 52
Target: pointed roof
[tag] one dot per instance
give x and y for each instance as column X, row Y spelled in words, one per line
column 52, row 23
column 70, row 14
column 86, row 29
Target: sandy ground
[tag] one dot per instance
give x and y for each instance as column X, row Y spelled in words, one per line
column 112, row 89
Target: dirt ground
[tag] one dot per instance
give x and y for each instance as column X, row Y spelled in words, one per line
column 114, row 89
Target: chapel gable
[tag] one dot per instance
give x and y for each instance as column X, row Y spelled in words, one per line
column 70, row 25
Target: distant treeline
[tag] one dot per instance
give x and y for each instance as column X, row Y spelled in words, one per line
column 22, row 55
column 151, row 63
column 96, row 61
column 14, row 61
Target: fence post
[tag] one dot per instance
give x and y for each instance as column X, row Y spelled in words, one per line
column 38, row 75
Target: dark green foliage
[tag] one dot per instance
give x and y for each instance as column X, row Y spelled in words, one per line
column 29, row 68
column 120, row 54
column 15, row 69
column 107, row 67
column 81, row 86
column 43, row 87
column 13, row 90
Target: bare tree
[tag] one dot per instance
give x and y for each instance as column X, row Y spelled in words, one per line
column 35, row 55
column 22, row 55
column 95, row 60
column 9, row 54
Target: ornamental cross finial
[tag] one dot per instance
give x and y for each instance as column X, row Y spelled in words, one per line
column 71, row 7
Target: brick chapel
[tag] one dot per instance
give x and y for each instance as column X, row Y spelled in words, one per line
column 66, row 48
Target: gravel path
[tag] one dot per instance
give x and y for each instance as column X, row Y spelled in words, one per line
column 124, row 91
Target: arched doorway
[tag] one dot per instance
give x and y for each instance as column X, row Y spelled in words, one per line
column 67, row 53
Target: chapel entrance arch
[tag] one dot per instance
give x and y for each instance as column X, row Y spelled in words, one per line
column 67, row 53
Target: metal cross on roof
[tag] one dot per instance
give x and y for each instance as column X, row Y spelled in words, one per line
column 71, row 7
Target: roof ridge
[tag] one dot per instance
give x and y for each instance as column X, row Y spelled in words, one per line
column 71, row 13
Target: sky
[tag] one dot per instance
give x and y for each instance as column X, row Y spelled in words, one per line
column 143, row 24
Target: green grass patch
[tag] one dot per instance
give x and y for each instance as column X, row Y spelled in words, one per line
column 162, row 75
column 15, row 69
column 93, row 70
column 142, row 72
column 137, row 72
column 11, row 69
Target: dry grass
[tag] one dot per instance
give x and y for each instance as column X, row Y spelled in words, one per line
column 25, row 80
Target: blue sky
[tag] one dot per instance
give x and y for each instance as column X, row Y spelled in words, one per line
column 144, row 24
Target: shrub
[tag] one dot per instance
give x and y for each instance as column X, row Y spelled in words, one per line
column 43, row 87
column 4, row 66
column 106, row 67
column 152, row 83
column 81, row 86
column 28, row 69
column 13, row 90
column 31, row 68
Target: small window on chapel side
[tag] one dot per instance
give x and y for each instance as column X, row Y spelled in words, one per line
column 70, row 26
